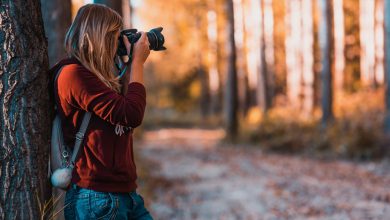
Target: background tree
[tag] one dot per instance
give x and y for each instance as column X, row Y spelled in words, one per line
column 57, row 17
column 26, row 110
column 387, row 65
column 231, row 102
column 241, row 50
column 379, row 43
column 339, row 44
column 367, row 42
column 326, row 44
column 266, row 77
column 128, row 13
column 114, row 4
column 351, row 80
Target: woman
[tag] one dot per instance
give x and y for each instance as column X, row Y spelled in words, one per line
column 104, row 178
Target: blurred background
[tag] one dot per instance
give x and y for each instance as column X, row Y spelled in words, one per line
column 259, row 109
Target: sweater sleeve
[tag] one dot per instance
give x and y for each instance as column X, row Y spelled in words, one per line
column 84, row 90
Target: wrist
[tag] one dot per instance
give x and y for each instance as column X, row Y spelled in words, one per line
column 137, row 62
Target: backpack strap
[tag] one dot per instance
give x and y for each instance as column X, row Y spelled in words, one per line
column 83, row 128
column 79, row 138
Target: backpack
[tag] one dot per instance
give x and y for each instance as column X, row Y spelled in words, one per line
column 62, row 158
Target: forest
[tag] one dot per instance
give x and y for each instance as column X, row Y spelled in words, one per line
column 258, row 109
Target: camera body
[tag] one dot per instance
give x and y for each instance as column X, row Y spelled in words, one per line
column 155, row 37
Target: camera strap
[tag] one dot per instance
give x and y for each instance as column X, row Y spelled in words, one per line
column 122, row 70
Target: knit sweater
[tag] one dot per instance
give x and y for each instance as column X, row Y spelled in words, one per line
column 106, row 159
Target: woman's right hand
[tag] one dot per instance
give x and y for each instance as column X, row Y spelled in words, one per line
column 141, row 50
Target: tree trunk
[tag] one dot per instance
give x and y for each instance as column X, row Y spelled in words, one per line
column 317, row 56
column 221, row 53
column 263, row 79
column 114, row 4
column 367, row 41
column 252, row 45
column 379, row 44
column 128, row 10
column 352, row 46
column 279, row 13
column 267, row 52
column 326, row 42
column 387, row 65
column 26, row 110
column 57, row 18
column 231, row 104
column 212, row 35
column 339, row 47
column 242, row 68
column 294, row 52
column 307, row 57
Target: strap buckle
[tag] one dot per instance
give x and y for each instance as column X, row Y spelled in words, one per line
column 79, row 136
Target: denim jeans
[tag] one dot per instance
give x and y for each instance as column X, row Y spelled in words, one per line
column 81, row 203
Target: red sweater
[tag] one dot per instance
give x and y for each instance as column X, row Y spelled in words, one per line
column 106, row 159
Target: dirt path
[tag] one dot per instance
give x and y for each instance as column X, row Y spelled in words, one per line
column 193, row 178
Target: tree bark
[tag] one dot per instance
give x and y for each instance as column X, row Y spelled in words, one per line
column 114, row 4
column 326, row 42
column 231, row 103
column 26, row 110
column 387, row 65
column 57, row 18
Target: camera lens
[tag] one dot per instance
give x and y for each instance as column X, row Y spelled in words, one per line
column 155, row 38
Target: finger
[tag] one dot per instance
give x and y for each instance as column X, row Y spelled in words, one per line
column 125, row 40
column 143, row 37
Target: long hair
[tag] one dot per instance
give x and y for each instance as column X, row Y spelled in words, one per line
column 92, row 39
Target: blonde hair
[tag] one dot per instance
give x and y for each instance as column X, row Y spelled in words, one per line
column 92, row 39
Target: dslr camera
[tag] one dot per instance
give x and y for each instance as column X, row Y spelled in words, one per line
column 155, row 37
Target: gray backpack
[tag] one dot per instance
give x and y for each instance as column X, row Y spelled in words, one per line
column 62, row 158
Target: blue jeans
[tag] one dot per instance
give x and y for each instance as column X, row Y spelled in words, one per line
column 81, row 203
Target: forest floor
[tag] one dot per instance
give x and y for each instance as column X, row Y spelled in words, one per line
column 193, row 176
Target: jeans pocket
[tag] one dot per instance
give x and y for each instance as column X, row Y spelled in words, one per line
column 101, row 204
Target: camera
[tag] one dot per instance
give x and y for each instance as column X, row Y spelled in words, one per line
column 155, row 37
